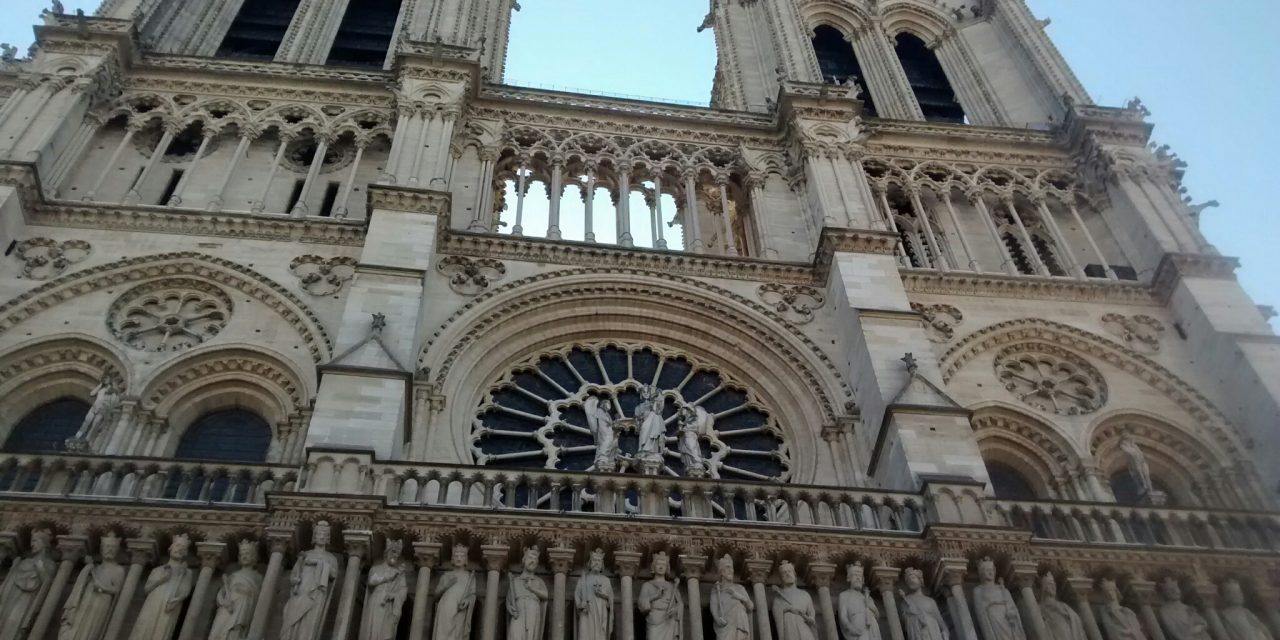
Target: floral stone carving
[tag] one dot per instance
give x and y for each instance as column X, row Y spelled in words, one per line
column 1139, row 332
column 169, row 315
column 796, row 303
column 940, row 320
column 470, row 276
column 1051, row 379
column 44, row 258
column 320, row 276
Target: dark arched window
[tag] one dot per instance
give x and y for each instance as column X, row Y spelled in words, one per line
column 1128, row 492
column 928, row 81
column 233, row 435
column 258, row 29
column 365, row 34
column 47, row 428
column 839, row 63
column 1009, row 484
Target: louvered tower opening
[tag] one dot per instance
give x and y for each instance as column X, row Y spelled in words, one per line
column 365, row 34
column 838, row 62
column 928, row 81
column 258, row 29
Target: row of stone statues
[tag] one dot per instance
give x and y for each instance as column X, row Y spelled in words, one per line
column 693, row 423
column 88, row 611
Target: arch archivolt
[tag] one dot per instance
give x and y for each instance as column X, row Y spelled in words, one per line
column 516, row 322
column 1036, row 448
column 845, row 17
column 56, row 367
column 173, row 266
column 1216, row 434
column 914, row 18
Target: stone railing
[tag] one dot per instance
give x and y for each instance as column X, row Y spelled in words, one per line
column 1112, row 524
column 142, row 479
column 455, row 486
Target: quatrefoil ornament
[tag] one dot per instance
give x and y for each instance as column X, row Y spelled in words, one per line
column 796, row 303
column 470, row 276
column 44, row 258
column 322, row 277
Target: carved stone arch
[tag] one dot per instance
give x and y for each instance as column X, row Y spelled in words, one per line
column 791, row 375
column 56, row 367
column 923, row 22
column 282, row 113
column 998, row 336
column 225, row 377
column 1036, row 449
column 845, row 17
column 1185, row 462
column 1000, row 179
column 129, row 271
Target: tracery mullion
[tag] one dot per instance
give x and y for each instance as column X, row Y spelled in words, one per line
column 603, row 371
column 519, row 413
column 538, row 370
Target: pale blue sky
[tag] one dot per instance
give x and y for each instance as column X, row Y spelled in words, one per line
column 1206, row 70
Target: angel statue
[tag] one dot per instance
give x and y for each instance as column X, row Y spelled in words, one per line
column 694, row 422
column 600, row 421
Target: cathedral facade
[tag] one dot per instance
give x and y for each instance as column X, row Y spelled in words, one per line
column 313, row 328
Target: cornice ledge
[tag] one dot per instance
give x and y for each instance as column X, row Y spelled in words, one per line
column 1026, row 287
column 624, row 106
column 1174, row 267
column 1003, row 135
column 1105, row 125
column 835, row 240
column 409, row 199
column 152, row 61
column 455, row 242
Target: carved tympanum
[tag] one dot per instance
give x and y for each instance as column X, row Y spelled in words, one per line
column 939, row 320
column 169, row 315
column 470, row 276
column 44, row 258
column 323, row 276
column 1051, row 379
column 795, row 303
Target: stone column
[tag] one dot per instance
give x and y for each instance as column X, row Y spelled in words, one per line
column 301, row 208
column 206, row 136
column 624, row 208
column 1024, row 577
column 1032, row 255
column 557, row 193
column 522, row 182
column 976, row 198
column 141, row 552
column 886, row 583
column 691, row 566
column 427, row 554
column 1068, row 257
column 1088, row 236
column 131, row 129
column 357, row 548
column 1145, row 591
column 1082, row 587
column 1208, row 607
column 73, row 549
column 588, row 203
column 134, row 194
column 953, row 578
column 561, row 563
column 247, row 136
column 210, row 555
column 495, row 559
column 692, row 230
column 758, row 570
column 627, row 562
column 726, row 227
column 939, row 258
column 285, row 138
column 278, row 539
column 480, row 217
column 340, row 210
column 659, row 242
column 821, row 573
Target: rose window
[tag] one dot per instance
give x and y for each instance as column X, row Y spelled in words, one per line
column 627, row 409
column 1051, row 379
column 169, row 315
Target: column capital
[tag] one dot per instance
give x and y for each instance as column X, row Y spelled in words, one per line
column 358, row 542
column 9, row 542
column 1208, row 592
column 1024, row 574
column 210, row 553
column 691, row 566
column 886, row 577
column 427, row 554
column 1082, row 586
column 1144, row 590
column 952, row 571
column 495, row 556
column 73, row 547
column 821, row 573
column 279, row 539
column 626, row 562
column 141, row 550
column 759, row 569
column 561, row 559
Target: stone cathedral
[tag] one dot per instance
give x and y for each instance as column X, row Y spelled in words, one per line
column 314, row 328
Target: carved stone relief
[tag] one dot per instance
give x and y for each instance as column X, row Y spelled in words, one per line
column 44, row 258
column 795, row 303
column 939, row 320
column 471, row 276
column 169, row 315
column 320, row 276
column 1140, row 332
column 1051, row 379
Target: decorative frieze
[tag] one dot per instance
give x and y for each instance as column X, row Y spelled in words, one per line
column 44, row 258
column 796, row 303
column 320, row 276
column 1051, row 379
column 939, row 320
column 469, row 276
column 169, row 315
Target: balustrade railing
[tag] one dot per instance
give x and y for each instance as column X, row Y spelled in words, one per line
column 142, row 480
column 407, row 484
column 1101, row 523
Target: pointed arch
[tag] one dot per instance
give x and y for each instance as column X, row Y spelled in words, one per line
column 1036, row 449
column 57, row 367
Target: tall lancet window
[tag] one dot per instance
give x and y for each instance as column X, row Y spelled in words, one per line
column 928, row 81
column 365, row 34
column 258, row 29
column 838, row 62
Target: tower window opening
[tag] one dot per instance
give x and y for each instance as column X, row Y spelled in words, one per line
column 928, row 81
column 839, row 63
column 296, row 194
column 171, row 187
column 330, row 197
column 258, row 29
column 365, row 33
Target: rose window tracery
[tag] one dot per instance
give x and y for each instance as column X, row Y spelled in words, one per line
column 629, row 409
column 1051, row 379
column 169, row 315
